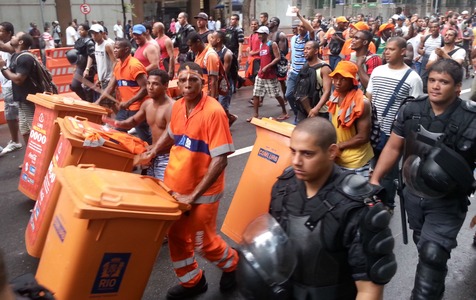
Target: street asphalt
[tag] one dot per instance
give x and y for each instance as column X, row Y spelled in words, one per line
column 15, row 212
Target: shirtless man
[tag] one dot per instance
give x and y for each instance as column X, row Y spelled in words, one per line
column 156, row 110
column 167, row 59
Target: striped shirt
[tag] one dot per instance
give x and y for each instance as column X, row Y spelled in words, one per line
column 382, row 85
column 297, row 52
column 431, row 44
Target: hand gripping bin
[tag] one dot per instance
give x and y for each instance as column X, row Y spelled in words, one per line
column 45, row 135
column 107, row 230
column 268, row 159
column 70, row 151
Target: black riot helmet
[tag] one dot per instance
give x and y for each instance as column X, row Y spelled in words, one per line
column 441, row 172
column 267, row 261
column 72, row 56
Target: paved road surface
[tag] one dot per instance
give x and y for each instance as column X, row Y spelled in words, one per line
column 15, row 207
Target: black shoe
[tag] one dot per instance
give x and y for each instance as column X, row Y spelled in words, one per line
column 227, row 281
column 181, row 292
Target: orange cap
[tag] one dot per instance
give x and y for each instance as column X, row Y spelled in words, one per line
column 360, row 26
column 385, row 26
column 341, row 19
column 346, row 69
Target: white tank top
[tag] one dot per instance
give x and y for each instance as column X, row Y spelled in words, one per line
column 104, row 64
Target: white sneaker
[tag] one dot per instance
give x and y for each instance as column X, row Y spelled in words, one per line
column 12, row 146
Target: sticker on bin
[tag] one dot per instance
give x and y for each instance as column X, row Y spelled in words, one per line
column 110, row 273
column 272, row 157
column 59, row 228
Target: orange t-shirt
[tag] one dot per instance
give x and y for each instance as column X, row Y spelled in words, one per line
column 205, row 134
column 209, row 61
column 126, row 74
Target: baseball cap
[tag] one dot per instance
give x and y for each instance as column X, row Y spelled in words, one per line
column 401, row 18
column 96, row 28
column 465, row 12
column 201, row 15
column 341, row 19
column 55, row 22
column 138, row 29
column 296, row 23
column 384, row 27
column 395, row 17
column 346, row 69
column 360, row 26
column 263, row 29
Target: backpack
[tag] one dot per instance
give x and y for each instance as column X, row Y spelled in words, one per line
column 43, row 81
column 309, row 87
column 282, row 65
column 234, row 63
column 335, row 45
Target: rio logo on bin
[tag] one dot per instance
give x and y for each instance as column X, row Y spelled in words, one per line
column 272, row 157
column 110, row 273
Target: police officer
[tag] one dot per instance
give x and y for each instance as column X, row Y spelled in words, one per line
column 437, row 134
column 342, row 242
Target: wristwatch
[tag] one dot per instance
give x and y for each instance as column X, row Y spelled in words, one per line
column 4, row 68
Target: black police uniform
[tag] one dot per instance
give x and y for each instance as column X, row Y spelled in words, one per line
column 181, row 42
column 85, row 48
column 335, row 232
column 437, row 187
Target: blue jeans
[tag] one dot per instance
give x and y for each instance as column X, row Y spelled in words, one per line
column 334, row 60
column 290, row 88
column 143, row 130
column 417, row 66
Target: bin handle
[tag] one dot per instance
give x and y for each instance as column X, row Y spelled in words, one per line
column 86, row 166
column 80, row 118
column 110, row 198
column 182, row 206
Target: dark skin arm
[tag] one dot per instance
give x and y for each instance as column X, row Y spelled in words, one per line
column 217, row 166
column 16, row 78
column 327, row 86
column 408, row 59
column 276, row 59
column 129, row 123
column 389, row 156
column 363, row 130
column 109, row 89
column 282, row 45
column 163, row 145
column 363, row 76
column 142, row 81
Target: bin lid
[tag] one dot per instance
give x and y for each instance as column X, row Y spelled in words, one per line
column 282, row 128
column 82, row 129
column 112, row 189
column 59, row 102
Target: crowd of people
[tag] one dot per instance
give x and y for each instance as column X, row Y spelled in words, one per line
column 371, row 100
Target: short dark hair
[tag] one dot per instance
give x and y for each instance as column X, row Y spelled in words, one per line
column 236, row 16
column 27, row 40
column 321, row 128
column 191, row 66
column 164, row 77
column 254, row 20
column 276, row 19
column 450, row 67
column 221, row 35
column 401, row 42
column 194, row 37
column 8, row 27
column 125, row 43
column 148, row 26
column 315, row 44
column 85, row 26
column 366, row 35
column 264, row 14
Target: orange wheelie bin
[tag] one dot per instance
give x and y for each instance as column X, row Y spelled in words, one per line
column 269, row 157
column 71, row 150
column 44, row 135
column 106, row 233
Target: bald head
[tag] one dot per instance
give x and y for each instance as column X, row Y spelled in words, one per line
column 321, row 129
column 158, row 28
